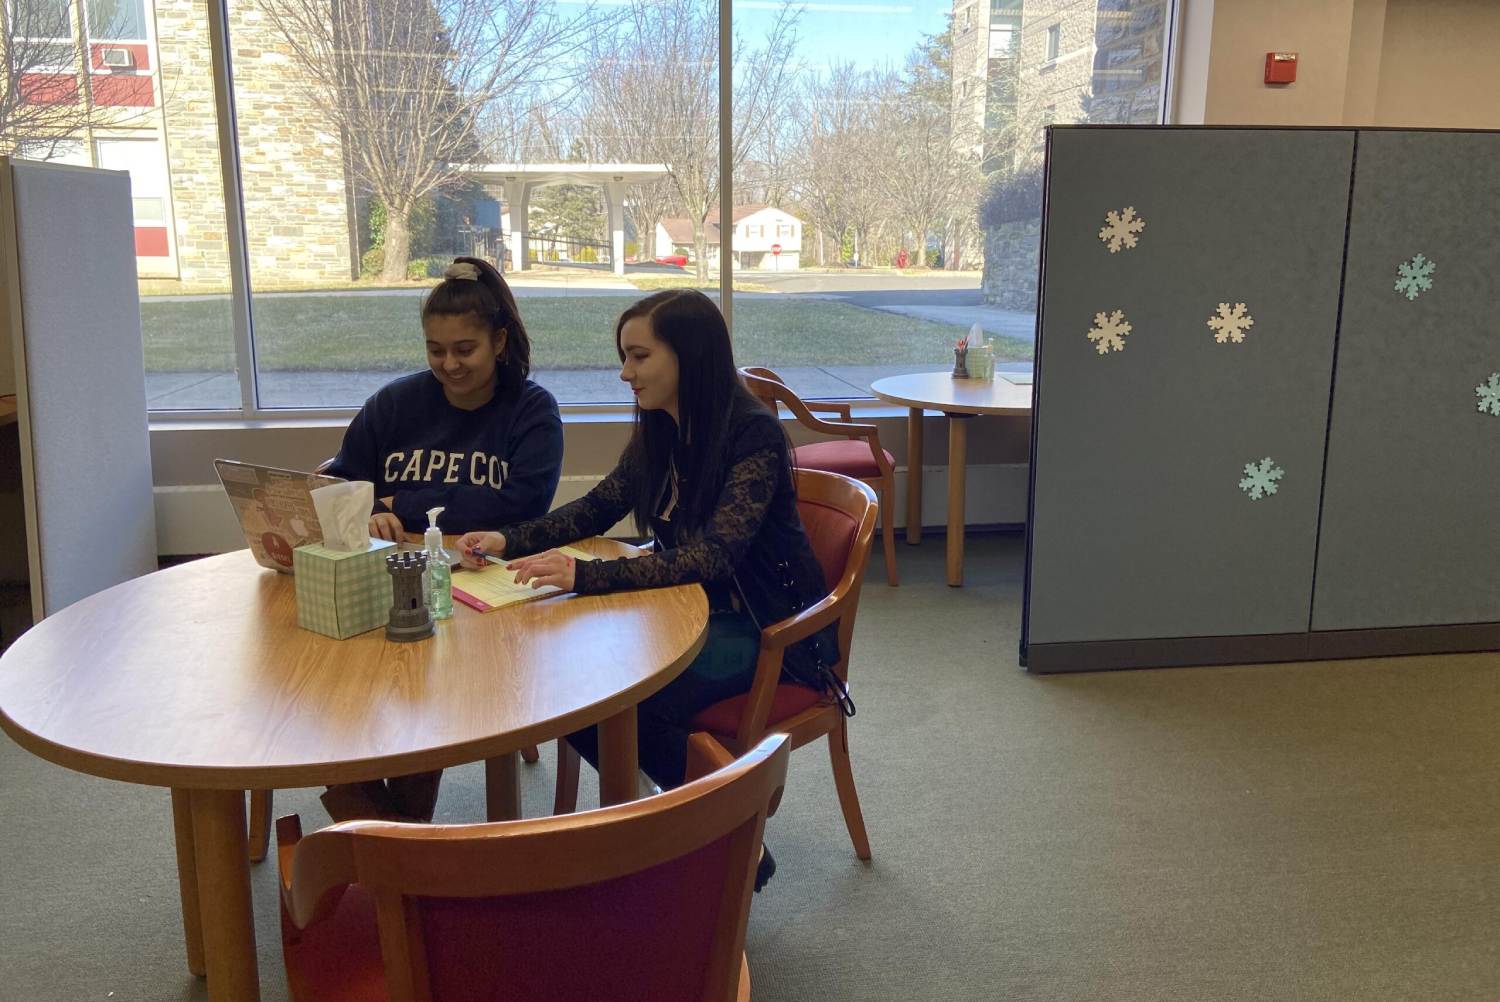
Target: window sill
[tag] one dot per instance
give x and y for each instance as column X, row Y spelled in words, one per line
column 580, row 414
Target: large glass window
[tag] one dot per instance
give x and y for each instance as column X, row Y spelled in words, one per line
column 167, row 137
column 886, row 170
column 380, row 140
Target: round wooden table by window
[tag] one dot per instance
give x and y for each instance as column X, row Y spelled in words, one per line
column 198, row 678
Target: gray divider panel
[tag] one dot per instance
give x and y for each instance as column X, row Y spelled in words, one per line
column 86, row 460
column 1413, row 481
column 1139, row 526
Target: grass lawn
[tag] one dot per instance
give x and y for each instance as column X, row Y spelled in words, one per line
column 382, row 333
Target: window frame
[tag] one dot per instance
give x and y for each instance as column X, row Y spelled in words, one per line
column 70, row 41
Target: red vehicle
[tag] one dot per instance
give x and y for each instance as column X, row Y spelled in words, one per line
column 680, row 260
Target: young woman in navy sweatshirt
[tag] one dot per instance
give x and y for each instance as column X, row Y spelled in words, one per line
column 472, row 434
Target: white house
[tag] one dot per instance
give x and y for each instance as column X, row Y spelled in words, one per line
column 765, row 238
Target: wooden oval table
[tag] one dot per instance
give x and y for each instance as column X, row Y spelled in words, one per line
column 198, row 678
column 959, row 400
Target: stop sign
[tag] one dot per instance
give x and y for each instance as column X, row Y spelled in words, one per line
column 775, row 249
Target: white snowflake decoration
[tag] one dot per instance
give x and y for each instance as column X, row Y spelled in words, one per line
column 1488, row 393
column 1260, row 478
column 1231, row 325
column 1416, row 276
column 1109, row 331
column 1120, row 228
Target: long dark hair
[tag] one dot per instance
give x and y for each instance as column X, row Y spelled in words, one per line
column 709, row 395
column 491, row 302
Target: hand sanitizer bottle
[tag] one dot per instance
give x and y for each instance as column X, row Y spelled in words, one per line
column 439, row 574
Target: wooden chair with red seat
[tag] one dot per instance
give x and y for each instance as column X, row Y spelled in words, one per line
column 261, row 800
column 641, row 901
column 859, row 455
column 839, row 516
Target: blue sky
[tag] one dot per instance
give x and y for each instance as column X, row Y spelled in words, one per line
column 867, row 34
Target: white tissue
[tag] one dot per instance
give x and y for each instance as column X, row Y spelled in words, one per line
column 976, row 336
column 344, row 513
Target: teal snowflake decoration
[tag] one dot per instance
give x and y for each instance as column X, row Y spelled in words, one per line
column 1260, row 478
column 1488, row 393
column 1416, row 276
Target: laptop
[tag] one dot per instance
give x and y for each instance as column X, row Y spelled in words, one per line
column 274, row 507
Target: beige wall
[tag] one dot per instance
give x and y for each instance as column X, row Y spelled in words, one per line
column 1245, row 30
column 1440, row 64
column 1428, row 63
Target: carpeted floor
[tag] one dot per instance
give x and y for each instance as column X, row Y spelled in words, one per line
column 1311, row 831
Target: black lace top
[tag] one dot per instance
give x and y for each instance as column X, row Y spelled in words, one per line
column 750, row 551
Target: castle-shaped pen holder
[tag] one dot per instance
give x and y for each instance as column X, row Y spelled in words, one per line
column 409, row 618
column 960, row 363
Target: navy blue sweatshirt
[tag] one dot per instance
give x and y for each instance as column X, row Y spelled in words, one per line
column 488, row 467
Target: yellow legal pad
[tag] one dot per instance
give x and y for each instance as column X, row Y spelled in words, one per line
column 493, row 587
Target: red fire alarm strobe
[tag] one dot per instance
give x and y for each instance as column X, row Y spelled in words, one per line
column 1281, row 67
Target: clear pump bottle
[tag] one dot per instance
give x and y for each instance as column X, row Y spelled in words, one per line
column 439, row 574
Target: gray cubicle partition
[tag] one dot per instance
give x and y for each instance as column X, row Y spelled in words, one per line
column 70, row 308
column 1413, row 487
column 1180, row 511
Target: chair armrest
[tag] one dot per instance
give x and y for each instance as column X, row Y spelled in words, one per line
column 839, row 407
column 327, row 870
column 781, row 635
column 288, row 834
column 705, row 756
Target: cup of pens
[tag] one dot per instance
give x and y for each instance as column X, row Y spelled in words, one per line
column 961, row 358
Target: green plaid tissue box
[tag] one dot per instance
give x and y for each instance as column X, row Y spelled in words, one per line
column 342, row 592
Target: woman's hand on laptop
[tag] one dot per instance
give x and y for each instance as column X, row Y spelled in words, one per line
column 384, row 525
column 474, row 546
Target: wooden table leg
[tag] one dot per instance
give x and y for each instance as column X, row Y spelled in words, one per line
column 502, row 787
column 914, row 476
column 958, row 462
column 618, row 758
column 224, row 895
column 187, row 879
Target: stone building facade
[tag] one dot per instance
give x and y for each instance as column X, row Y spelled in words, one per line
column 297, row 211
column 1021, row 65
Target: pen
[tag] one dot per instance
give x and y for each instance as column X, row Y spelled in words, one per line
column 479, row 554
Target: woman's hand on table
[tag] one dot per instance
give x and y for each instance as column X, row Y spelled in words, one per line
column 384, row 525
column 473, row 546
column 551, row 568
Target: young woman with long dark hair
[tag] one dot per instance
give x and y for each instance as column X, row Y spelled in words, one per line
column 708, row 475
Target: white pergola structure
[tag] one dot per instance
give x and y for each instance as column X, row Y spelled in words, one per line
column 518, row 181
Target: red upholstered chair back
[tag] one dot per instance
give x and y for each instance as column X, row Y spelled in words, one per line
column 831, row 531
column 646, row 901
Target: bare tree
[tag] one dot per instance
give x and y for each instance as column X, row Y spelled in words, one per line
column 839, row 116
column 654, row 96
column 406, row 83
column 45, row 99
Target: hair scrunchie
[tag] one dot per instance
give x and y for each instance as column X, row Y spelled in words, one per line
column 463, row 271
